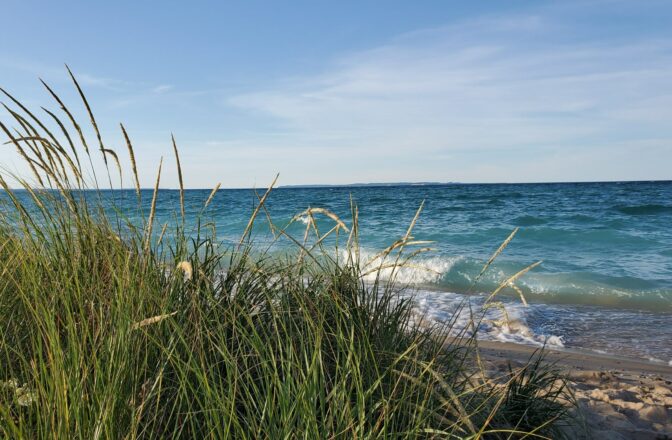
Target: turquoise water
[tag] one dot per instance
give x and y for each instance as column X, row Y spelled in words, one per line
column 606, row 276
column 606, row 244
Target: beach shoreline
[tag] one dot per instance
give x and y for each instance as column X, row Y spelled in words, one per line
column 574, row 358
column 617, row 397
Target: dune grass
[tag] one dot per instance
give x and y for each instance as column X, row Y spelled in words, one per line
column 112, row 329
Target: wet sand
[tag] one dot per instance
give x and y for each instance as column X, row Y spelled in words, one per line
column 619, row 398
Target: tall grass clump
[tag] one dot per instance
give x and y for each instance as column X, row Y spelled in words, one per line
column 114, row 327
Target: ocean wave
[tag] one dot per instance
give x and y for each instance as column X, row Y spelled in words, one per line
column 529, row 220
column 603, row 330
column 493, row 323
column 443, row 306
column 420, row 271
column 587, row 237
column 304, row 219
column 649, row 209
column 475, row 196
column 582, row 218
column 457, row 274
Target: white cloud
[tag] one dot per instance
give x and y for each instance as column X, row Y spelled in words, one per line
column 531, row 97
column 113, row 84
column 510, row 86
column 162, row 88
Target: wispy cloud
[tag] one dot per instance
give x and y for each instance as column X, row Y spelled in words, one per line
column 117, row 85
column 557, row 93
column 513, row 85
column 59, row 73
column 162, row 88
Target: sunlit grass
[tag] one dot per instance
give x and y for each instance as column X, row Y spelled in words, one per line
column 114, row 329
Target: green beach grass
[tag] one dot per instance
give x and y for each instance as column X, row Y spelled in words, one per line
column 117, row 330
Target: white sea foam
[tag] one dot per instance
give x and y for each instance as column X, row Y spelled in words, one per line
column 447, row 306
column 552, row 325
column 493, row 325
column 419, row 271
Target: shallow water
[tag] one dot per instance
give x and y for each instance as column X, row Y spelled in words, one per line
column 606, row 278
column 638, row 334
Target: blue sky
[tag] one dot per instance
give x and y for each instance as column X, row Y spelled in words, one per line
column 341, row 92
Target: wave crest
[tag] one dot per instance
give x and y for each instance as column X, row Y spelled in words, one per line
column 418, row 272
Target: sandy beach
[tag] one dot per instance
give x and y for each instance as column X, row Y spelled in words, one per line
column 618, row 398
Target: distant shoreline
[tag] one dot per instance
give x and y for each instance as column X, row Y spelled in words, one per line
column 388, row 185
column 396, row 184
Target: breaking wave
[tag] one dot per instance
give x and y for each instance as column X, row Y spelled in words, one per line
column 493, row 323
column 457, row 274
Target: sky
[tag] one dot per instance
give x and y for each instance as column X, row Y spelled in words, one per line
column 327, row 92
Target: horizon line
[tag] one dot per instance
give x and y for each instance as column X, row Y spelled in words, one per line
column 370, row 184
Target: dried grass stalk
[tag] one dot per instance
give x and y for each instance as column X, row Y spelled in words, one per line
column 134, row 166
column 187, row 268
column 152, row 320
column 88, row 110
column 499, row 250
column 212, row 195
column 250, row 223
column 513, row 278
column 179, row 176
column 152, row 210
column 311, row 211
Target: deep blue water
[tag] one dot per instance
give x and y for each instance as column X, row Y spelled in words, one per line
column 606, row 248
